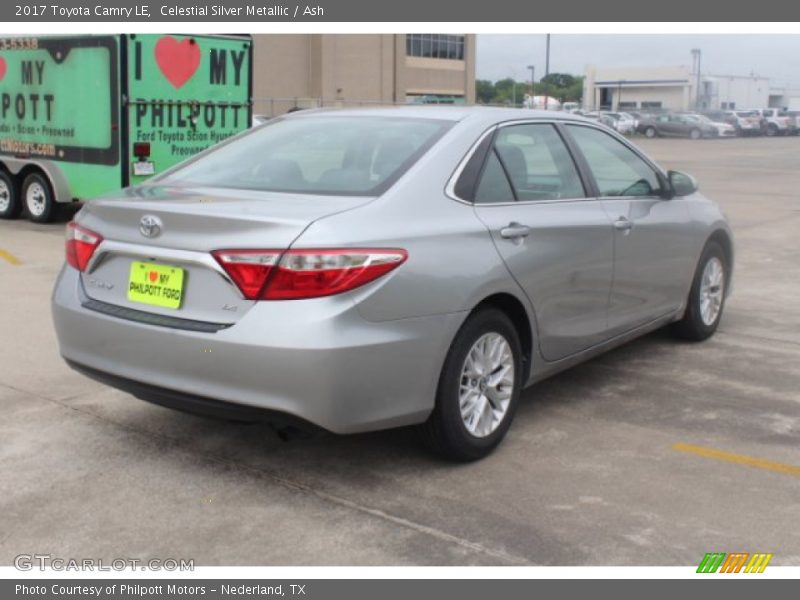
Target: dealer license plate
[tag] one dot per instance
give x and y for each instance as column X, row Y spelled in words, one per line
column 157, row 285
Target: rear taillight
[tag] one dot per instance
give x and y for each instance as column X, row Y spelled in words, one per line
column 248, row 269
column 297, row 274
column 81, row 244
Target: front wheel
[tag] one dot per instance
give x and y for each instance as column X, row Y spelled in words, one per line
column 695, row 134
column 479, row 388
column 650, row 132
column 40, row 205
column 706, row 298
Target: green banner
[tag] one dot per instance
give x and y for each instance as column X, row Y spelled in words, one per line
column 186, row 93
column 58, row 99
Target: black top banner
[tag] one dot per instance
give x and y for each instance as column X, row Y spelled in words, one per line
column 323, row 11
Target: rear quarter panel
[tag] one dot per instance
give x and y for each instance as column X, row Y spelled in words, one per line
column 452, row 263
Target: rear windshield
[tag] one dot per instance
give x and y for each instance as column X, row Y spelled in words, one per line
column 324, row 155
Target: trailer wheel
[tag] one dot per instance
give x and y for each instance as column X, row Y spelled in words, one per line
column 9, row 197
column 38, row 198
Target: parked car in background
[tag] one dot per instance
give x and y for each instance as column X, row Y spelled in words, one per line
column 623, row 122
column 723, row 129
column 570, row 107
column 746, row 122
column 601, row 118
column 777, row 121
column 676, row 125
column 374, row 268
column 795, row 116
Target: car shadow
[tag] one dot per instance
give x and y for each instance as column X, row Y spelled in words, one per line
column 261, row 444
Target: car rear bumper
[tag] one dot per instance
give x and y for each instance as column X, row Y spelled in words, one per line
column 317, row 360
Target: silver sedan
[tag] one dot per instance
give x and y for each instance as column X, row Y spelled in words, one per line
column 366, row 269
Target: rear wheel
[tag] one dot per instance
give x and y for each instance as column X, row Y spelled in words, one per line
column 650, row 132
column 479, row 388
column 38, row 198
column 695, row 134
column 9, row 197
column 706, row 298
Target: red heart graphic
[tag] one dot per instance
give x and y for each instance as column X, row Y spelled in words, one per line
column 178, row 61
column 153, row 276
column 2, row 68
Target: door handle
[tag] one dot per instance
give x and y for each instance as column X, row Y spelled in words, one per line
column 514, row 231
column 623, row 224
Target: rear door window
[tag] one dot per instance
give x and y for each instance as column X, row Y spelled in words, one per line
column 537, row 162
column 494, row 186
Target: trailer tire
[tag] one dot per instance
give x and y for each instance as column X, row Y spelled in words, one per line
column 37, row 197
column 9, row 197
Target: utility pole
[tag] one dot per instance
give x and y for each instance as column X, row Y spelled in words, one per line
column 533, row 85
column 547, row 58
column 696, row 56
column 547, row 69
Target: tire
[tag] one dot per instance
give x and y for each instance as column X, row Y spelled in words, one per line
column 695, row 134
column 446, row 432
column 9, row 197
column 696, row 325
column 650, row 132
column 37, row 198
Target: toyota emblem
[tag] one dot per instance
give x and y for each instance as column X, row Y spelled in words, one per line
column 150, row 226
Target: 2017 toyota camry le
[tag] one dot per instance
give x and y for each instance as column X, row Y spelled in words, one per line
column 366, row 269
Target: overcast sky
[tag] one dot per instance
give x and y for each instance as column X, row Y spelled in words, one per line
column 774, row 56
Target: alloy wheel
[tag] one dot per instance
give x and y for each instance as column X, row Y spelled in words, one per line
column 487, row 384
column 711, row 290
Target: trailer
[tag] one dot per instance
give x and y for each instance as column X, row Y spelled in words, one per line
column 81, row 116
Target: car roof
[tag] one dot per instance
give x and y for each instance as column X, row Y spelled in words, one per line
column 441, row 112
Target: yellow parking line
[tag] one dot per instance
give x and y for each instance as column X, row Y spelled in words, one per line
column 10, row 257
column 741, row 459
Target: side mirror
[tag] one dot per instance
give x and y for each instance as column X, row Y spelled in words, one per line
column 681, row 183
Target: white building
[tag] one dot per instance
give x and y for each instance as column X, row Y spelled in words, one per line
column 733, row 91
column 670, row 88
column 782, row 97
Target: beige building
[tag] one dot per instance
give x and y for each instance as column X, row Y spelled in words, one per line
column 631, row 88
column 310, row 70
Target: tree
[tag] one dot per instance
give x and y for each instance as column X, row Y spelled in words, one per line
column 559, row 80
column 505, row 92
column 484, row 91
column 562, row 86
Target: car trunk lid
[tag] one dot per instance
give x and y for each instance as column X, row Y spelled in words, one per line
column 157, row 242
